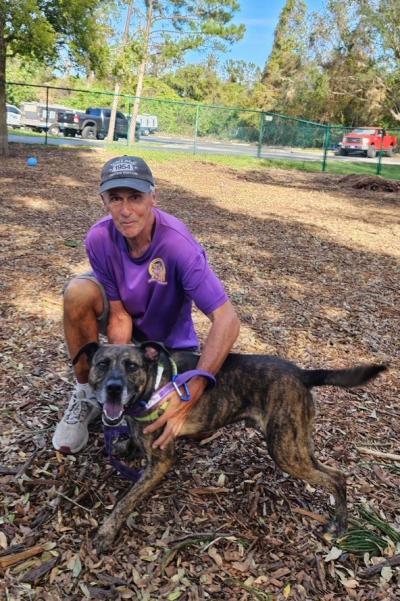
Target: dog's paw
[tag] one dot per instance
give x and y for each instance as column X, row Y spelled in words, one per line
column 333, row 530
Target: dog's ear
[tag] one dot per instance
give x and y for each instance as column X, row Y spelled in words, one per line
column 89, row 350
column 152, row 350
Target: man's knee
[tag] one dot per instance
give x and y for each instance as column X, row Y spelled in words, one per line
column 82, row 296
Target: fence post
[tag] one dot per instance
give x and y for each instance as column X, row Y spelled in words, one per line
column 260, row 135
column 129, row 108
column 327, row 139
column 47, row 114
column 196, row 128
column 380, row 153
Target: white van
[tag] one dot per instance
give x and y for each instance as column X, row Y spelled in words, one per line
column 148, row 124
column 13, row 116
column 33, row 116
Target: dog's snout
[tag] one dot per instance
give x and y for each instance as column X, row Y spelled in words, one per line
column 114, row 387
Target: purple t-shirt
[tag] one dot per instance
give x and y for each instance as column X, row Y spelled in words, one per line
column 158, row 288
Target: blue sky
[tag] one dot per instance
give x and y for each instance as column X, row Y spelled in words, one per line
column 260, row 18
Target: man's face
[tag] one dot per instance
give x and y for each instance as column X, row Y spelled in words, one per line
column 130, row 210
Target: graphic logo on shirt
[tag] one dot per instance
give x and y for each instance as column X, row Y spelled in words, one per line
column 157, row 271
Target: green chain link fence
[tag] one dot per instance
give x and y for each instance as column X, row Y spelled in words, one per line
column 200, row 128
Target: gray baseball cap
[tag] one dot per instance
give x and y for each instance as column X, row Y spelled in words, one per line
column 126, row 172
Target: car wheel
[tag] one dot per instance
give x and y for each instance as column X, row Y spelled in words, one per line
column 89, row 133
column 343, row 152
column 53, row 130
column 371, row 152
column 389, row 152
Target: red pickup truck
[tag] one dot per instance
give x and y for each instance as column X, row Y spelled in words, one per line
column 368, row 140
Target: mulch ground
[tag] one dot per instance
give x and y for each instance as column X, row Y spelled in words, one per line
column 312, row 265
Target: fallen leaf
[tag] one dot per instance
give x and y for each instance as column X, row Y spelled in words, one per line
column 386, row 575
column 77, row 567
column 174, row 595
column 3, row 540
column 213, row 553
column 333, row 554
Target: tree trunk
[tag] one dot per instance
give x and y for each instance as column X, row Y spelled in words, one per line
column 111, row 126
column 142, row 71
column 3, row 111
column 136, row 104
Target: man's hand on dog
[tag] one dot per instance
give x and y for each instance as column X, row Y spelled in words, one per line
column 175, row 415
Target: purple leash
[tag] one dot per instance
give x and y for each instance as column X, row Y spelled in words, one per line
column 110, row 434
column 113, row 432
column 177, row 381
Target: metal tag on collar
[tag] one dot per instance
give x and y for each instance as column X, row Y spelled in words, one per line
column 184, row 396
column 160, row 371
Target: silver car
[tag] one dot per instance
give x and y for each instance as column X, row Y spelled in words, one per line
column 13, row 116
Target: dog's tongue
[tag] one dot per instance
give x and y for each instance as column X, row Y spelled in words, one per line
column 113, row 411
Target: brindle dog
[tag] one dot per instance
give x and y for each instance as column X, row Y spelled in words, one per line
column 269, row 393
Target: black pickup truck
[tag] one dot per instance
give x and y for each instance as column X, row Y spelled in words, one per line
column 93, row 124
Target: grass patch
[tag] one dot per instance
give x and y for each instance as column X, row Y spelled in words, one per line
column 30, row 133
column 161, row 155
column 359, row 168
column 248, row 162
column 234, row 161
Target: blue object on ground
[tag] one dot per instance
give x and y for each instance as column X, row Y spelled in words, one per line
column 32, row 161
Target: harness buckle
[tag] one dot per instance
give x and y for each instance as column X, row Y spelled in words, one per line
column 185, row 395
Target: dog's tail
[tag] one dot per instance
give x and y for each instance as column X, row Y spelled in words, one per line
column 346, row 378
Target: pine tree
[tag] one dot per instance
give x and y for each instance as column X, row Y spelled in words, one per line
column 288, row 55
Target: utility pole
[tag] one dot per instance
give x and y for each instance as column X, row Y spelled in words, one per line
column 125, row 36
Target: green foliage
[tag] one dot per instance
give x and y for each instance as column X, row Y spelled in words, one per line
column 46, row 31
column 88, row 93
column 27, row 30
column 170, row 29
column 27, row 71
column 383, row 19
column 338, row 66
column 350, row 71
column 174, row 117
column 295, row 133
column 242, row 72
column 288, row 51
column 372, row 535
column 193, row 82
column 36, row 29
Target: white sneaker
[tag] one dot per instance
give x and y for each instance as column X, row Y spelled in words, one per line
column 71, row 433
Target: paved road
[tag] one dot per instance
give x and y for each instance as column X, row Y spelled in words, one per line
column 201, row 146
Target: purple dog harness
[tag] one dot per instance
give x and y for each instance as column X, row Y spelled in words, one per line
column 142, row 412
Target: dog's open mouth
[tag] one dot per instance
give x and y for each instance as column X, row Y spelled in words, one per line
column 112, row 413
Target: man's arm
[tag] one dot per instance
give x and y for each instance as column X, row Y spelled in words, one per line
column 224, row 330
column 119, row 328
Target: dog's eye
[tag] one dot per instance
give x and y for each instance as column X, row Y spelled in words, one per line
column 103, row 364
column 130, row 365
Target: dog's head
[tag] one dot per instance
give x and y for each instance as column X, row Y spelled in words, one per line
column 120, row 374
